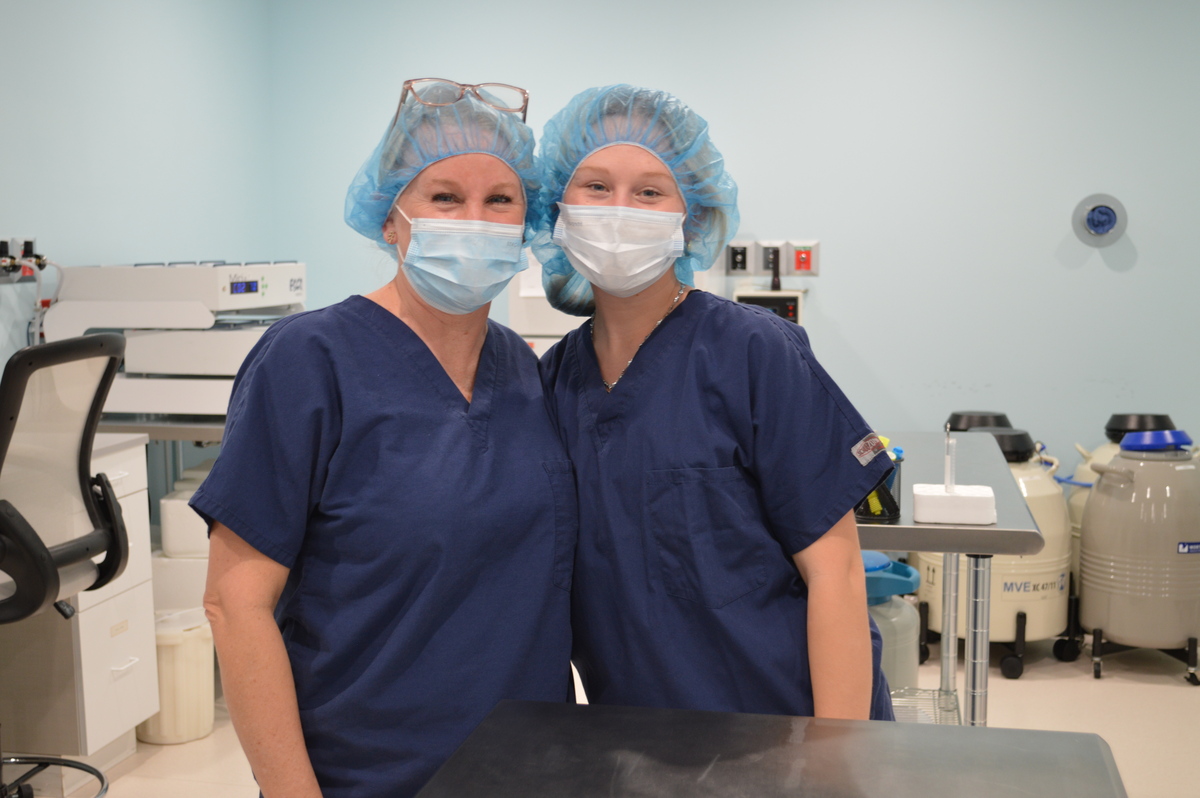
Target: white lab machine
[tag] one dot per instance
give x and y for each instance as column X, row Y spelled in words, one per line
column 188, row 327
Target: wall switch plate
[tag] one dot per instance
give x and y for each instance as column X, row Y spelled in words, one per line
column 737, row 258
column 803, row 258
column 766, row 254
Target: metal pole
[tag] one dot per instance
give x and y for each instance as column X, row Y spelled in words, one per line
column 979, row 591
column 949, row 622
column 177, row 451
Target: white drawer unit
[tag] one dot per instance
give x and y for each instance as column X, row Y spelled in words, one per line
column 74, row 687
column 136, row 511
column 118, row 660
column 125, row 467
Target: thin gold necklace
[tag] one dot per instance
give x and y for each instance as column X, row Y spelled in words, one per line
column 608, row 386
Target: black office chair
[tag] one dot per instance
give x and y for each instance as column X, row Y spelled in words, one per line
column 51, row 397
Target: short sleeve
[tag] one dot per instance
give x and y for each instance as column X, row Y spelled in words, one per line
column 806, row 435
column 280, row 433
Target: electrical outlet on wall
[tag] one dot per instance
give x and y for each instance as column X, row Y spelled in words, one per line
column 737, row 258
column 766, row 254
column 803, row 258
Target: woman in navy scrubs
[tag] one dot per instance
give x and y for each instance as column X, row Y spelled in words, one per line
column 718, row 464
column 392, row 515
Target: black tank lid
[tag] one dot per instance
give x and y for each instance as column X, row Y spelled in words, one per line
column 1120, row 423
column 1017, row 444
column 963, row 420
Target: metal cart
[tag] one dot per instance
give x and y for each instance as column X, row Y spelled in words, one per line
column 980, row 462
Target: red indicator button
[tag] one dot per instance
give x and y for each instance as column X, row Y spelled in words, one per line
column 803, row 260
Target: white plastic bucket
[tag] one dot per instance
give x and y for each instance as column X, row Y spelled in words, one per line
column 185, row 679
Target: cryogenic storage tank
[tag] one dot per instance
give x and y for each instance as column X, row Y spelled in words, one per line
column 1118, row 424
column 1140, row 544
column 964, row 420
column 1028, row 593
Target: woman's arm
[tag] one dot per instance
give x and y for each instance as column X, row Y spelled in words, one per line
column 839, row 636
column 243, row 588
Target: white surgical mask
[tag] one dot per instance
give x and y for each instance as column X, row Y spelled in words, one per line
column 460, row 265
column 619, row 250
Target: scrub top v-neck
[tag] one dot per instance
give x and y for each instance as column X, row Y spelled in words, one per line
column 723, row 450
column 430, row 540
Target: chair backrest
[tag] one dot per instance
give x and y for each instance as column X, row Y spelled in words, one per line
column 55, row 518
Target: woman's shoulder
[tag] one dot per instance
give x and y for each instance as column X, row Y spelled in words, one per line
column 507, row 336
column 300, row 339
column 347, row 317
column 562, row 352
column 750, row 326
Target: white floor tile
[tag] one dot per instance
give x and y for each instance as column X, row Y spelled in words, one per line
column 215, row 759
column 211, row 766
column 1141, row 706
column 140, row 787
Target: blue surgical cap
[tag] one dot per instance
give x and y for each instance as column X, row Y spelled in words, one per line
column 422, row 135
column 660, row 123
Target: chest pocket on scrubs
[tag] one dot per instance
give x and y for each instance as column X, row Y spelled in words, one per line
column 566, row 519
column 703, row 521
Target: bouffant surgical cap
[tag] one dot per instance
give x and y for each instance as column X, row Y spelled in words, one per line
column 422, row 135
column 660, row 123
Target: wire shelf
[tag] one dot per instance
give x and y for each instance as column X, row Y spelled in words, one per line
column 915, row 705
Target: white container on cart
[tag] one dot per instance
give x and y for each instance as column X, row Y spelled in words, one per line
column 898, row 621
column 185, row 679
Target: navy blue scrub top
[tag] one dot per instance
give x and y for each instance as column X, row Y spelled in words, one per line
column 723, row 450
column 429, row 541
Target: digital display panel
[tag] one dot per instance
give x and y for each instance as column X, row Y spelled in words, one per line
column 244, row 287
column 784, row 306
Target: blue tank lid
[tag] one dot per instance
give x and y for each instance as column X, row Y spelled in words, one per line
column 887, row 578
column 875, row 561
column 1156, row 440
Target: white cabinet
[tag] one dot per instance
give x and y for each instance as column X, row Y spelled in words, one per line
column 125, row 467
column 118, row 674
column 72, row 687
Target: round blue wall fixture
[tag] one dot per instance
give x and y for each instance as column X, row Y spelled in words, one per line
column 1099, row 220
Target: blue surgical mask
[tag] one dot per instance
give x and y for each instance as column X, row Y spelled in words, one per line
column 460, row 265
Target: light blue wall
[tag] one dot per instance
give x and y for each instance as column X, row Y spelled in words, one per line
column 133, row 130
column 936, row 148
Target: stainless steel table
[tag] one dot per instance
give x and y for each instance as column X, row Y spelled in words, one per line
column 200, row 429
column 534, row 749
column 980, row 462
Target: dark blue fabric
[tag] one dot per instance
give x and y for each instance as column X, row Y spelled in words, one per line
column 430, row 541
column 723, row 450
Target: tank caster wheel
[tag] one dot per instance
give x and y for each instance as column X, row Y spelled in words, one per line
column 1095, row 670
column 1193, row 661
column 1012, row 666
column 924, row 655
column 1066, row 650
